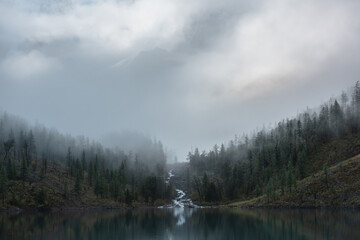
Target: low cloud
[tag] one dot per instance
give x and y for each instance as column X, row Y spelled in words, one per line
column 28, row 65
column 189, row 73
column 101, row 27
column 282, row 41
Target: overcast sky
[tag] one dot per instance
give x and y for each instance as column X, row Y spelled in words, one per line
column 190, row 73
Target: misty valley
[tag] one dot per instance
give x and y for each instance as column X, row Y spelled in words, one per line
column 310, row 161
column 179, row 119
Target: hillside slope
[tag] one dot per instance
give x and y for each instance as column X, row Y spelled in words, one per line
column 336, row 186
column 54, row 190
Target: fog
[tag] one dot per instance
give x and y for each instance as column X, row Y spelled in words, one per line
column 188, row 74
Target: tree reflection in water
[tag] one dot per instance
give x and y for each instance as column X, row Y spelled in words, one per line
column 183, row 223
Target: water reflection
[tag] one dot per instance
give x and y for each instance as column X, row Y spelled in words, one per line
column 180, row 223
column 181, row 214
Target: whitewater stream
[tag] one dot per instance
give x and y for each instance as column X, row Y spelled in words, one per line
column 180, row 200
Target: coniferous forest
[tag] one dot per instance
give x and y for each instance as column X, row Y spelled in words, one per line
column 179, row 119
column 271, row 162
column 42, row 168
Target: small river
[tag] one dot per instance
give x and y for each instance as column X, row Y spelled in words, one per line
column 181, row 200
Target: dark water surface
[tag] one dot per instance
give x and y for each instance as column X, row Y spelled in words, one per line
column 182, row 223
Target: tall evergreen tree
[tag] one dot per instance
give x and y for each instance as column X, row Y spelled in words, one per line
column 24, row 170
column 77, row 186
column 3, row 183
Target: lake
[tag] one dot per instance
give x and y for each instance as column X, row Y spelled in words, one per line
column 183, row 223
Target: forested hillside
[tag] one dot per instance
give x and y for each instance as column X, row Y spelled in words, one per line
column 273, row 161
column 43, row 168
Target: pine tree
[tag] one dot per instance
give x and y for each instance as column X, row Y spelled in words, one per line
column 128, row 198
column 96, row 166
column 188, row 178
column 282, row 181
column 323, row 128
column 97, row 186
column 205, row 184
column 41, row 198
column 8, row 145
column 337, row 119
column 344, row 100
column 43, row 166
column 69, row 158
column 290, row 178
column 77, row 186
column 90, row 173
column 301, row 162
column 83, row 161
column 66, row 189
column 32, row 147
column 2, row 134
column 257, row 190
column 9, row 169
column 326, row 175
column 3, row 183
column 269, row 189
column 13, row 170
column 23, row 172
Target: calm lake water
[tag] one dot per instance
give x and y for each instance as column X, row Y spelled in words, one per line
column 182, row 223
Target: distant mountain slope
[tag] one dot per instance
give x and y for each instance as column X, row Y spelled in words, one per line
column 336, row 186
column 54, row 190
column 42, row 168
column 279, row 158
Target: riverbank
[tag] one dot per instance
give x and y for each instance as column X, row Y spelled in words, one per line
column 84, row 208
column 243, row 205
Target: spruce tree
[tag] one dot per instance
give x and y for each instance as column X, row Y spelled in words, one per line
column 3, row 183
column 128, row 198
column 282, row 183
column 83, row 161
column 66, row 189
column 9, row 169
column 290, row 178
column 77, row 186
column 97, row 186
column 24, row 171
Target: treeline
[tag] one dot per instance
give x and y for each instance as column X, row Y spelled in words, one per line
column 26, row 152
column 130, row 181
column 272, row 159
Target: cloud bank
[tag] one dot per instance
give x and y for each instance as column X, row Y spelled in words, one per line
column 189, row 73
